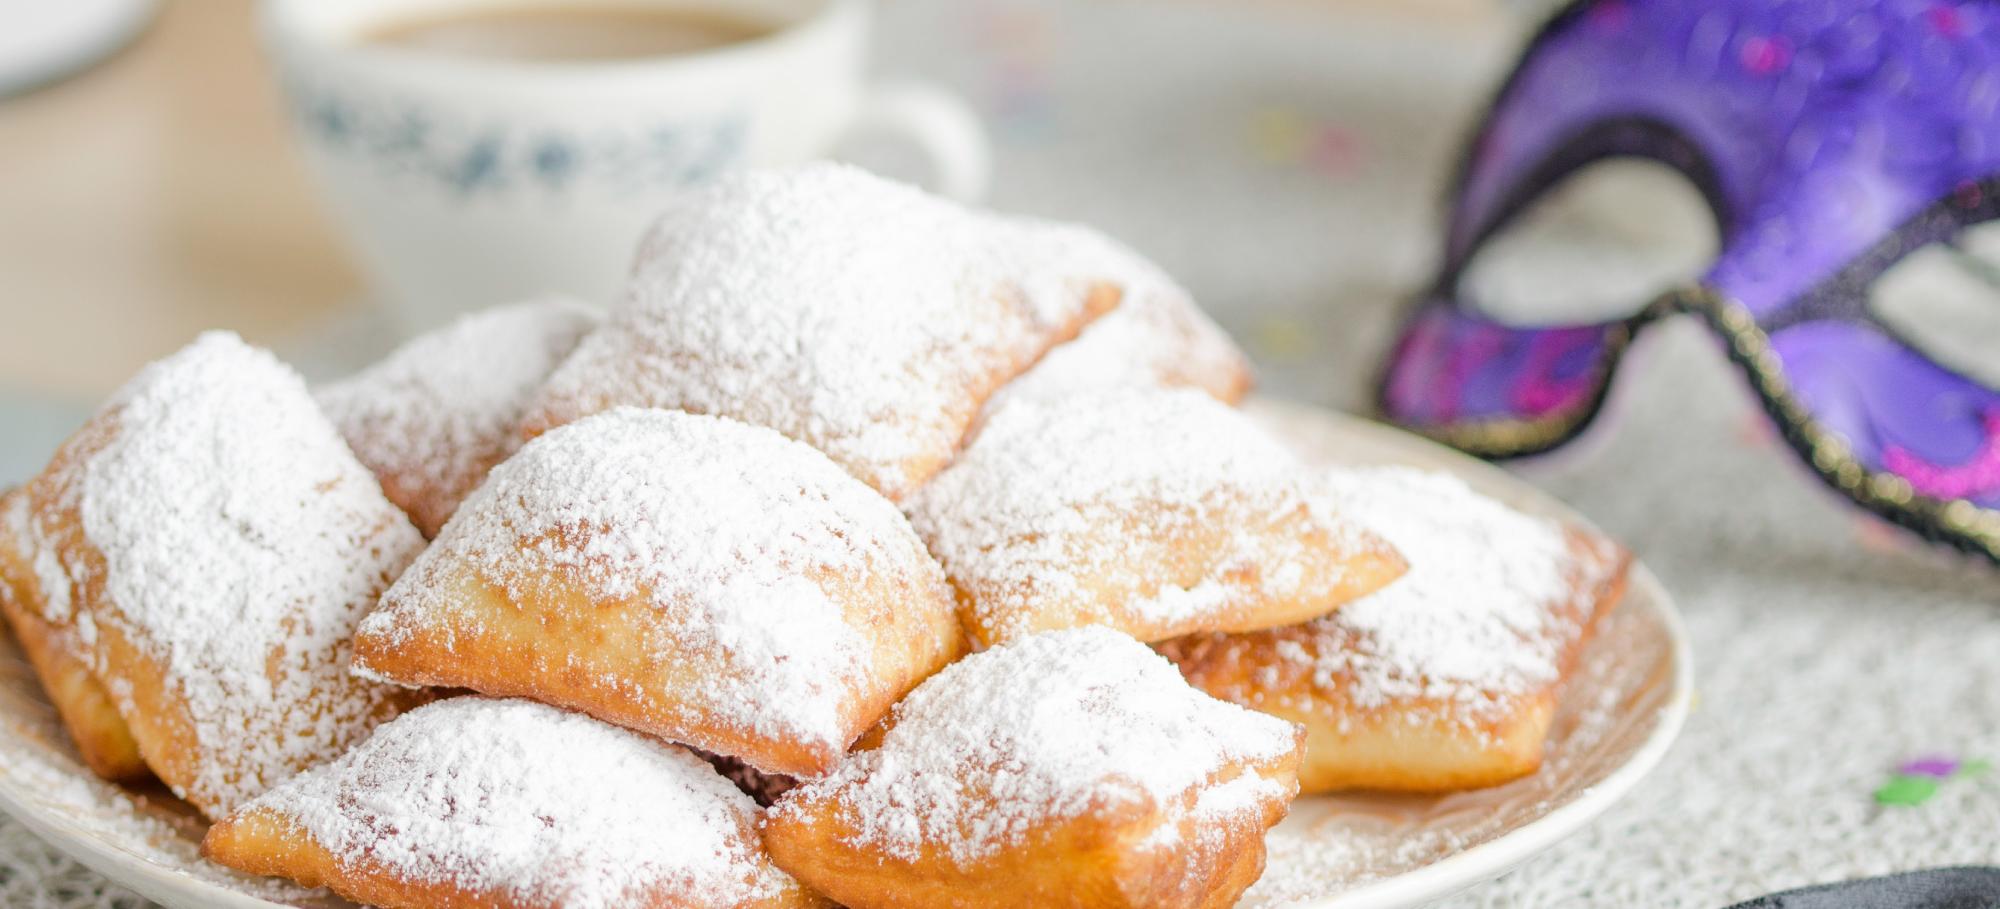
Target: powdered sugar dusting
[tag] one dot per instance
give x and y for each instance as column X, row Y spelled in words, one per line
column 855, row 314
column 241, row 542
column 722, row 525
column 432, row 417
column 545, row 807
column 1034, row 732
column 1157, row 337
column 44, row 572
column 1471, row 616
column 156, row 830
column 1034, row 510
column 1475, row 616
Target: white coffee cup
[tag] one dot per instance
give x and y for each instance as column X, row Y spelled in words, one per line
column 464, row 181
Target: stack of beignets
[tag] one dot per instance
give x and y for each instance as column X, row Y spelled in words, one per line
column 860, row 502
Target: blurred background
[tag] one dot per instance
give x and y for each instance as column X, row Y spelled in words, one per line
column 1286, row 160
column 158, row 193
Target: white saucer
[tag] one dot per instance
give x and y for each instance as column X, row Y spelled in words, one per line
column 42, row 41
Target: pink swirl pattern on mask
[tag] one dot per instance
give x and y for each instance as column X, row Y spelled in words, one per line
column 1550, row 385
column 1978, row 476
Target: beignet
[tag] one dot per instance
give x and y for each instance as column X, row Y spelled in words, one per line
column 705, row 580
column 44, row 627
column 434, row 416
column 478, row 803
column 222, row 543
column 1156, row 512
column 857, row 315
column 1073, row 768
column 1448, row 678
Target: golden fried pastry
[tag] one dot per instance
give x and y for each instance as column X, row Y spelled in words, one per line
column 434, row 416
column 222, row 544
column 1156, row 512
column 1073, row 768
column 842, row 310
column 1157, row 337
column 471, row 803
column 43, row 626
column 1448, row 678
column 702, row 579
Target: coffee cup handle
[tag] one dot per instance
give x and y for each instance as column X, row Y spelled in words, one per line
column 940, row 124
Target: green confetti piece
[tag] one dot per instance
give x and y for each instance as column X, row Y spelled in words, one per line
column 1906, row 790
column 1973, row 768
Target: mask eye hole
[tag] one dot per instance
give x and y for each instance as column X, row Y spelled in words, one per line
column 1944, row 299
column 1596, row 247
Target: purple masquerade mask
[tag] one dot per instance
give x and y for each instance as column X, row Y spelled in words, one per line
column 1830, row 140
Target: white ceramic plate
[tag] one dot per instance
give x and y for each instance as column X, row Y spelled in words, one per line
column 1617, row 717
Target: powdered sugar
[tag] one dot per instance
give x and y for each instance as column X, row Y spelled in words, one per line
column 725, row 527
column 435, row 415
column 842, row 310
column 1042, row 506
column 535, row 804
column 156, row 830
column 1035, row 732
column 240, row 543
column 1475, row 616
column 44, row 572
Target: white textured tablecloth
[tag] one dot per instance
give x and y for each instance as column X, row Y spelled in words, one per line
column 1827, row 650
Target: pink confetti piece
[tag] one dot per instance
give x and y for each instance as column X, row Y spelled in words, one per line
column 1335, row 151
column 1947, row 21
column 1878, row 536
column 1937, row 766
column 1763, row 56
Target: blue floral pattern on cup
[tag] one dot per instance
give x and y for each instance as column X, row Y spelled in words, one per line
column 475, row 160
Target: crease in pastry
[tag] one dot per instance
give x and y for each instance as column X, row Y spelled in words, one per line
column 1448, row 678
column 1070, row 768
column 851, row 313
column 43, row 627
column 222, row 544
column 1157, row 512
column 472, row 802
column 705, row 580
column 436, row 414
column 1156, row 338
column 762, row 788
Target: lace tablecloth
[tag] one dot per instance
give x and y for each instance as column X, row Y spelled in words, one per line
column 1828, row 649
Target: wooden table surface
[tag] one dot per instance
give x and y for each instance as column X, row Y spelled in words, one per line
column 152, row 197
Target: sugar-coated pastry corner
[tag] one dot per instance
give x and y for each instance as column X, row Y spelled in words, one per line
column 1070, row 768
